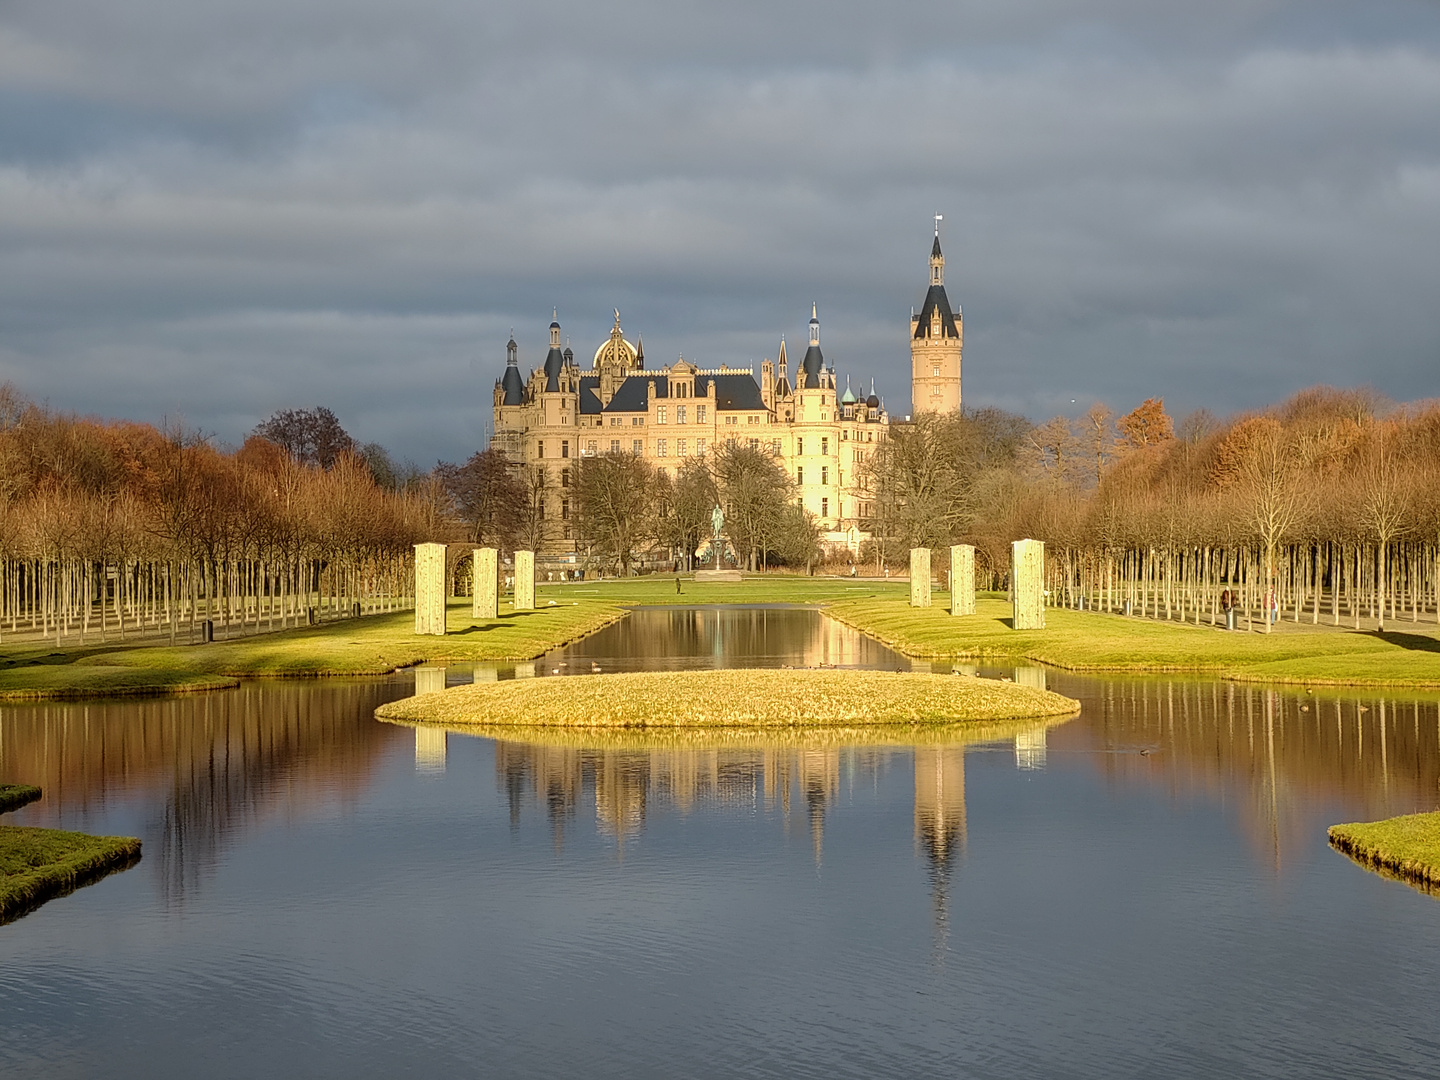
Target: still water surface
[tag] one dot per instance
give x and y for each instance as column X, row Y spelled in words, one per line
column 325, row 895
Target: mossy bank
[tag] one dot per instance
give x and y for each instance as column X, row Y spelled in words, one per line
column 767, row 698
column 1406, row 848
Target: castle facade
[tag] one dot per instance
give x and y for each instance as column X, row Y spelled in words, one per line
column 820, row 433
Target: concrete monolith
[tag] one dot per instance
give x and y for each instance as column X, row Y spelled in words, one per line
column 430, row 589
column 1027, row 584
column 920, row 577
column 485, row 588
column 962, row 579
column 524, row 580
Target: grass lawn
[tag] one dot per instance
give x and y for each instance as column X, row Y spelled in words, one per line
column 1407, row 848
column 1091, row 641
column 770, row 698
column 382, row 643
column 40, row 864
column 1079, row 641
column 14, row 796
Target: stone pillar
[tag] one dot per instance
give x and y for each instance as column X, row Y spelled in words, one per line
column 919, row 577
column 962, row 579
column 485, row 587
column 524, row 581
column 430, row 589
column 1027, row 584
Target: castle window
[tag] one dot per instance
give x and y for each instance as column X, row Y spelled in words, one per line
column 800, row 475
column 754, row 444
column 540, row 448
column 564, row 477
column 700, row 447
column 800, row 446
column 637, row 447
column 614, row 446
column 565, row 509
column 679, row 447
column 824, row 474
column 662, row 448
column 637, row 421
column 699, row 414
column 660, row 415
column 616, row 421
column 590, row 446
column 679, row 414
column 937, row 373
column 824, row 508
column 564, row 448
column 824, row 447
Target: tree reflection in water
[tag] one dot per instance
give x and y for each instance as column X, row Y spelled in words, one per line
column 203, row 765
column 1291, row 760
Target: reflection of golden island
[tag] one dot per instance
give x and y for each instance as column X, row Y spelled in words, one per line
column 751, row 698
column 930, row 734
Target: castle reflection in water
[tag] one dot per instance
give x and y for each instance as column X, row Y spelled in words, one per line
column 624, row 785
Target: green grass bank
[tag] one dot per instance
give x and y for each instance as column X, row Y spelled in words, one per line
column 1092, row 641
column 766, row 698
column 1406, row 848
column 378, row 644
column 1074, row 640
column 14, row 796
column 37, row 865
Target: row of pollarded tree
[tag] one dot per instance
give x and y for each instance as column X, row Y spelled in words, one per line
column 1324, row 507
column 621, row 509
column 121, row 527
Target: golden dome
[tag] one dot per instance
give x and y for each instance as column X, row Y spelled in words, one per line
column 616, row 351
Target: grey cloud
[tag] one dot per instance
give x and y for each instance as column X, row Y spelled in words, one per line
column 221, row 210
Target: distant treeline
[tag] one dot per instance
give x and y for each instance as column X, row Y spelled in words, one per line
column 1326, row 506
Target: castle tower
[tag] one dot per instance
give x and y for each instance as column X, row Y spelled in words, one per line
column 936, row 339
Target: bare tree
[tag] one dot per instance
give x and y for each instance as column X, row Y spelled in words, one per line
column 614, row 496
column 310, row 436
column 489, row 498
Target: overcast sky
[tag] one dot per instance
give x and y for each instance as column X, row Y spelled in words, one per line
column 212, row 209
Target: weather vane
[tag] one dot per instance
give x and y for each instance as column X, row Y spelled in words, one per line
column 938, row 218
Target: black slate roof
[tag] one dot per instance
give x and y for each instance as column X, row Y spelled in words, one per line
column 513, row 386
column 936, row 299
column 809, row 374
column 554, row 361
column 732, row 392
column 590, row 395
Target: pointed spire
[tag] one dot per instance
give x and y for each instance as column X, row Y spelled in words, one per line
column 937, row 260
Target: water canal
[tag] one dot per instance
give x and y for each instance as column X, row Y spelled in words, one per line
column 1145, row 890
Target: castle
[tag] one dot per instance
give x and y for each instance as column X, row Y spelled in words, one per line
column 821, row 435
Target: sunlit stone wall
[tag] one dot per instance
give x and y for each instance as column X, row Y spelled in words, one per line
column 485, row 592
column 962, row 579
column 430, row 589
column 524, row 580
column 1027, row 584
column 920, row 577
